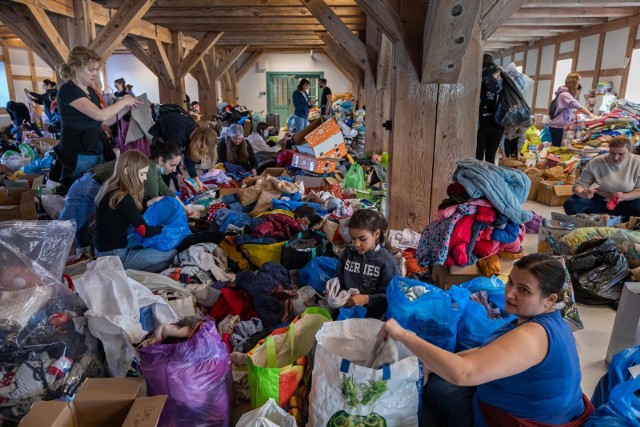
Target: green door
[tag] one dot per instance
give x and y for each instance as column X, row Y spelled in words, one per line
column 280, row 88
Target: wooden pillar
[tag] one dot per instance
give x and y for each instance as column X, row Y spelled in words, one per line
column 433, row 126
column 233, row 89
column 177, row 94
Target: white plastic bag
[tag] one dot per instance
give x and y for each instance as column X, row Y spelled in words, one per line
column 268, row 415
column 114, row 303
column 389, row 396
column 177, row 296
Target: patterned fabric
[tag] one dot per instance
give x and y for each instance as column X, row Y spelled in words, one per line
column 433, row 247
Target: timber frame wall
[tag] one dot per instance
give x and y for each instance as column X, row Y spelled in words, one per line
column 587, row 49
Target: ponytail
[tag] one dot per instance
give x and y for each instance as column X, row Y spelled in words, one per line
column 166, row 150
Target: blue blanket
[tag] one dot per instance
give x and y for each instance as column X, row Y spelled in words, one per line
column 505, row 188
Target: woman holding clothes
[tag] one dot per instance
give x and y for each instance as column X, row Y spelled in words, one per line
column 235, row 149
column 566, row 102
column 82, row 145
column 526, row 373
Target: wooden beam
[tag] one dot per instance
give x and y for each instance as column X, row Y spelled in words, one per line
column 612, row 72
column 140, row 53
column 293, row 27
column 384, row 62
column 413, row 17
column 502, row 11
column 338, row 55
column 196, row 54
column 387, row 18
column 241, row 22
column 248, row 64
column 554, row 66
column 230, row 59
column 327, row 17
column 507, row 30
column 52, row 41
column 633, row 31
column 552, row 21
column 308, row 43
column 446, row 36
column 598, row 66
column 201, row 74
column 241, row 3
column 580, row 3
column 164, row 67
column 577, row 12
column 27, row 31
column 240, row 11
column 83, row 19
column 566, row 55
column 126, row 18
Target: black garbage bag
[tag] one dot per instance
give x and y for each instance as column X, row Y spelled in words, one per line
column 598, row 271
column 512, row 109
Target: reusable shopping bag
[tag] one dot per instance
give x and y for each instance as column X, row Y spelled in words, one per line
column 623, row 408
column 278, row 367
column 618, row 372
column 475, row 325
column 626, row 327
column 259, row 254
column 296, row 255
column 196, row 377
column 433, row 315
column 169, row 213
column 268, row 415
column 344, row 392
column 354, row 178
column 318, row 272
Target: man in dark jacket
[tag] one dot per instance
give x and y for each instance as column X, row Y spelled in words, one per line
column 489, row 132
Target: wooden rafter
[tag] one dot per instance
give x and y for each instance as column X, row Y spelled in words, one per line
column 248, row 64
column 241, row 22
column 293, row 27
column 140, row 53
column 230, row 59
column 82, row 23
column 196, row 54
column 337, row 28
column 385, row 15
column 501, row 11
column 126, row 18
column 50, row 37
column 241, row 11
column 243, row 3
column 27, row 32
column 337, row 54
column 446, row 36
column 161, row 60
column 576, row 12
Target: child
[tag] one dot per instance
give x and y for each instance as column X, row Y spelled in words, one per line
column 119, row 202
column 366, row 265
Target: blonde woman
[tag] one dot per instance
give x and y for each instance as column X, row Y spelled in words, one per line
column 566, row 101
column 83, row 145
column 119, row 203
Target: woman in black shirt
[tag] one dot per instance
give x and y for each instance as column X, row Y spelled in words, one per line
column 82, row 142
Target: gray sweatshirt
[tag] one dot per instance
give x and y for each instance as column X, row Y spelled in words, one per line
column 370, row 274
column 611, row 178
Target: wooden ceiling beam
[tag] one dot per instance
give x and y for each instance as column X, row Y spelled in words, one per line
column 126, row 18
column 264, row 43
column 446, row 36
column 137, row 50
column 385, row 15
column 242, row 22
column 336, row 52
column 514, row 38
column 230, row 59
column 242, row 3
column 248, row 64
column 500, row 13
column 160, row 58
column 547, row 22
column 28, row 32
column 234, row 11
column 51, row 39
column 576, row 12
column 267, row 36
column 581, row 3
column 337, row 28
column 83, row 21
column 201, row 74
column 534, row 31
column 196, row 53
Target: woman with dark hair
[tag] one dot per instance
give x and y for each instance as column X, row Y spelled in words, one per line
column 526, row 373
column 122, row 88
column 235, row 149
column 566, row 102
column 489, row 132
column 301, row 105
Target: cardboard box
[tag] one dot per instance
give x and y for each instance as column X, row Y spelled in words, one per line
column 274, row 172
column 322, row 139
column 313, row 164
column 554, row 193
column 18, row 204
column 446, row 276
column 512, row 163
column 32, row 181
column 311, row 183
column 100, row 402
column 535, row 187
column 226, row 191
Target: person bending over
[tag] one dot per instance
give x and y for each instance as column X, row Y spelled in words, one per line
column 235, row 149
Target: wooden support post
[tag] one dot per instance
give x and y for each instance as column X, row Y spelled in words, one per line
column 211, row 62
column 128, row 16
column 177, row 93
column 431, row 130
column 164, row 67
column 633, row 31
column 374, row 132
column 140, row 53
column 233, row 80
column 195, row 55
column 82, row 29
column 598, row 66
column 230, row 59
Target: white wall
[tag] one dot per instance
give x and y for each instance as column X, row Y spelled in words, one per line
column 254, row 82
column 134, row 73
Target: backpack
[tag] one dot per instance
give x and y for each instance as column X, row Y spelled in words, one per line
column 167, row 108
column 553, row 107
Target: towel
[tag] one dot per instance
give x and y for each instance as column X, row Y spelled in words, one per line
column 335, row 296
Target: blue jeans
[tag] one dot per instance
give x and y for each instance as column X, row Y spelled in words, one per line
column 86, row 162
column 447, row 405
column 299, row 123
column 556, row 136
column 80, row 205
column 143, row 259
column 598, row 205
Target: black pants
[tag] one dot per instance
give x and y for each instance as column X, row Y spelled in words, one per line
column 447, row 405
column 511, row 147
column 489, row 136
column 556, row 136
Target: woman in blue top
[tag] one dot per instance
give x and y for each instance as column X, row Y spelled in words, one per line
column 526, row 373
column 301, row 105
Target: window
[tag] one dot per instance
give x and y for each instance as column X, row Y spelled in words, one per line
column 4, row 87
column 633, row 84
column 563, row 68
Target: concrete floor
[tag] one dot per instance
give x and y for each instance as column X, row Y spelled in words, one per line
column 593, row 340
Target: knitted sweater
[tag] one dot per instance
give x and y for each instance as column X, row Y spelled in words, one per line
column 611, row 178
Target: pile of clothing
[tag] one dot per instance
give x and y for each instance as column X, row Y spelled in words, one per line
column 481, row 217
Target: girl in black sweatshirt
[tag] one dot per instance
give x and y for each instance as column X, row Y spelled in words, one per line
column 119, row 203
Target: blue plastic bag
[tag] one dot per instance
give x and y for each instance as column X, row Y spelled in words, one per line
column 475, row 326
column 355, row 312
column 169, row 213
column 623, row 408
column 618, row 372
column 545, row 134
column 433, row 316
column 318, row 272
column 37, row 165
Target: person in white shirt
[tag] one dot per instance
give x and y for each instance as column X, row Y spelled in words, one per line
column 256, row 139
